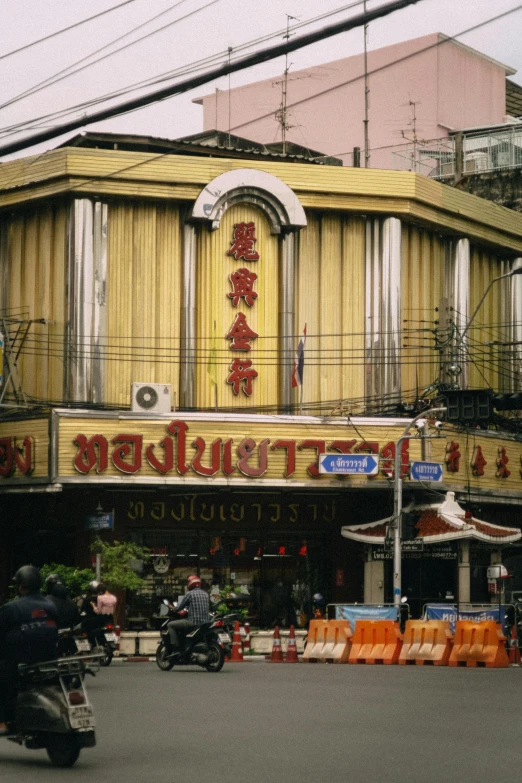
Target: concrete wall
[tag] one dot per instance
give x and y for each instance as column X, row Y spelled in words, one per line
column 449, row 84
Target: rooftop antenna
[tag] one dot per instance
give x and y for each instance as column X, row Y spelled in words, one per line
column 366, row 98
column 281, row 112
column 229, row 98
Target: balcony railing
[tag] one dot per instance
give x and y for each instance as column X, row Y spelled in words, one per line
column 465, row 153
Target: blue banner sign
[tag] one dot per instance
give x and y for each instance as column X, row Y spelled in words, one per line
column 349, row 464
column 361, row 612
column 449, row 613
column 426, row 471
column 99, row 521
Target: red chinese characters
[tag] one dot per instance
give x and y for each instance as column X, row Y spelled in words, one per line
column 242, row 245
column 502, row 461
column 240, row 333
column 242, row 372
column 242, row 281
column 478, row 462
column 452, row 458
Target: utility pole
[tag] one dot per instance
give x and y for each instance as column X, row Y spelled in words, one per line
column 366, row 98
column 397, row 504
column 280, row 115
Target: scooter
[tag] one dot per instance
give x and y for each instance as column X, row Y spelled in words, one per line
column 53, row 711
column 203, row 646
column 72, row 641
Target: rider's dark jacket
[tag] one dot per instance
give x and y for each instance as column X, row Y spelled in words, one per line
column 28, row 630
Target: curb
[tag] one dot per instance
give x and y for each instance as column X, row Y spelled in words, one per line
column 152, row 659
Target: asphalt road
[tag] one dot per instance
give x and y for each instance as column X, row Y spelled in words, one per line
column 270, row 723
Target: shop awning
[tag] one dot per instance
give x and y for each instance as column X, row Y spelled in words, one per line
column 446, row 521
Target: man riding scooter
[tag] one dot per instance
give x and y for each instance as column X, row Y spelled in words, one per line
column 197, row 605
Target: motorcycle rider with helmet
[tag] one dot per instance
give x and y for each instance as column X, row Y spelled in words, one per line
column 28, row 634
column 89, row 612
column 66, row 608
column 196, row 603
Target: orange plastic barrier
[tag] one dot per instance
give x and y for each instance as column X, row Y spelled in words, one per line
column 479, row 644
column 375, row 641
column 328, row 641
column 426, row 641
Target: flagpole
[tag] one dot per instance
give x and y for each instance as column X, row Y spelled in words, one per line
column 301, row 401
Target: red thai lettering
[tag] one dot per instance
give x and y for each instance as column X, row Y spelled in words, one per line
column 241, row 371
column 502, row 461
column 200, row 445
column 371, row 446
column 344, row 446
column 290, row 447
column 179, row 429
column 24, row 456
column 242, row 245
column 241, row 334
column 92, row 452
column 478, row 462
column 452, row 458
column 320, row 447
column 246, row 450
column 165, row 466
column 130, row 445
column 242, row 281
column 228, row 466
column 7, row 464
column 388, row 463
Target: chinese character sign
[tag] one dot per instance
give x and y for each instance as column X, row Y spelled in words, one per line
column 242, row 245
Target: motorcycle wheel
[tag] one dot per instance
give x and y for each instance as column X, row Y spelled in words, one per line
column 216, row 658
column 163, row 663
column 63, row 751
column 107, row 656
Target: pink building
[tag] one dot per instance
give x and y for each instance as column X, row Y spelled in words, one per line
column 419, row 90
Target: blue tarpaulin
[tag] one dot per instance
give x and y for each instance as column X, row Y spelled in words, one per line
column 361, row 612
column 448, row 612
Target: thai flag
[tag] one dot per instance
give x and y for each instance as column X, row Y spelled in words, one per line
column 297, row 374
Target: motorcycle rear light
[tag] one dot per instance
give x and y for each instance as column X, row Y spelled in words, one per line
column 219, row 624
column 76, row 697
column 109, row 627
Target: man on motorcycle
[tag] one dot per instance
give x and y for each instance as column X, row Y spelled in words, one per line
column 197, row 605
column 28, row 634
column 66, row 609
column 89, row 612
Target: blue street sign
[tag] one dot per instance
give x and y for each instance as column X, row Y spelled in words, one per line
column 349, row 464
column 426, row 471
column 99, row 521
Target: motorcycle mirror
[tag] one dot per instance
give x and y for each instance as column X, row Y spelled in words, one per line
column 165, row 601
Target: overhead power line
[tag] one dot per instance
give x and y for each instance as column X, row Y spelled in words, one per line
column 265, row 55
column 65, row 29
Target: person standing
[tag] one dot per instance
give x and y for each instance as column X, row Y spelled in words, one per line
column 106, row 603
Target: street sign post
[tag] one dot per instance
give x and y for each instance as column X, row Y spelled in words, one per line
column 426, row 471
column 349, row 464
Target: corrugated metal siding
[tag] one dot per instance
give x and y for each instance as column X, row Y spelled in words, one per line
column 38, row 430
column 36, row 289
column 213, row 306
column 490, row 323
column 422, row 286
column 330, row 301
column 144, row 298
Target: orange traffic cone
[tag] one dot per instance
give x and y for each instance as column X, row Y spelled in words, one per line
column 277, row 653
column 291, row 650
column 237, row 650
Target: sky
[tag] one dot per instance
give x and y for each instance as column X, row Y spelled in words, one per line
column 209, row 28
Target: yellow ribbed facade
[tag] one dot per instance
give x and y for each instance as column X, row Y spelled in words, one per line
column 143, row 298
column 36, row 256
column 216, row 313
column 490, row 323
column 330, row 302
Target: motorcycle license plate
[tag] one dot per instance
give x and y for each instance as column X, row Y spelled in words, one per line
column 82, row 645
column 224, row 638
column 81, row 717
column 110, row 637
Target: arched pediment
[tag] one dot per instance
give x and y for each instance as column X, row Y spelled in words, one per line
column 272, row 196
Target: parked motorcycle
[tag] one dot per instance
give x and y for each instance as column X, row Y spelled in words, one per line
column 53, row 711
column 203, row 646
column 72, row 641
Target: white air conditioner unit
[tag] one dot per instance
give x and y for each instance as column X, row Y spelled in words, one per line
column 151, row 397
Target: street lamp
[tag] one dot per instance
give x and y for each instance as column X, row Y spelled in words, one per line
column 397, row 505
column 516, row 271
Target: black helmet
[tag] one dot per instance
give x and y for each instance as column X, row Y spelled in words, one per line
column 51, row 581
column 28, row 576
